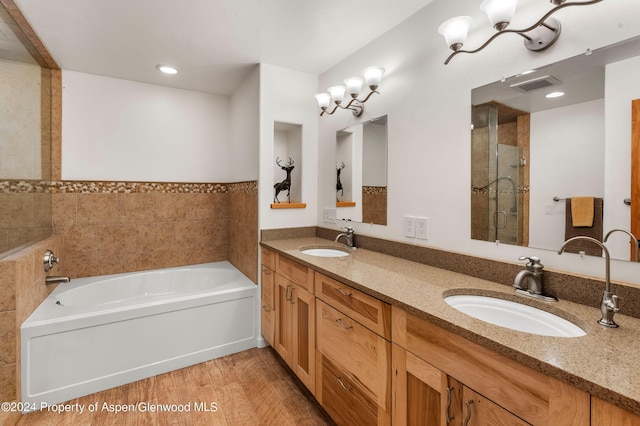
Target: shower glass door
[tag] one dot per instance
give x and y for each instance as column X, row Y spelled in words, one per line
column 496, row 159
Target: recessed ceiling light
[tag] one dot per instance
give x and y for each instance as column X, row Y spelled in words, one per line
column 527, row 72
column 167, row 69
column 554, row 95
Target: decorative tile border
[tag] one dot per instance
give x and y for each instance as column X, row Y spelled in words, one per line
column 250, row 187
column 107, row 187
column 24, row 186
column 112, row 187
column 374, row 190
column 502, row 190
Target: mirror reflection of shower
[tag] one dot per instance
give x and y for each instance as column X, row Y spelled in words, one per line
column 499, row 177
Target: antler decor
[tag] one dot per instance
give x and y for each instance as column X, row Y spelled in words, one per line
column 286, row 183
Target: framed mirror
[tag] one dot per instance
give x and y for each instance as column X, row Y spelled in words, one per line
column 25, row 139
column 532, row 153
column 361, row 172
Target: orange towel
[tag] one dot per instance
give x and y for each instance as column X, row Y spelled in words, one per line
column 582, row 211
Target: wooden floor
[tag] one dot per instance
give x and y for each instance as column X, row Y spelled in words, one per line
column 248, row 388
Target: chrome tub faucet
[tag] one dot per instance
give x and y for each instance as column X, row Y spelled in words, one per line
column 349, row 236
column 609, row 304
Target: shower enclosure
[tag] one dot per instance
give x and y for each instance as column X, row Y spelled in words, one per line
column 499, row 182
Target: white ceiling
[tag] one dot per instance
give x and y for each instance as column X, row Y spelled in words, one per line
column 213, row 43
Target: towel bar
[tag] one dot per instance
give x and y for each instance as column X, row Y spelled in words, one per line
column 627, row 201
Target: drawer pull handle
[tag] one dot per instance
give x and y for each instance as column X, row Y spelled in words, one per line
column 344, row 293
column 289, row 294
column 266, row 271
column 266, row 308
column 466, row 419
column 345, row 326
column 339, row 379
column 448, row 409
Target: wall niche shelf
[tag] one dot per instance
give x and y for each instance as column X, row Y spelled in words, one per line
column 345, row 204
column 288, row 205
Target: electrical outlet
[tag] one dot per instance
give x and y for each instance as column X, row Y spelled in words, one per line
column 422, row 228
column 329, row 215
column 409, row 226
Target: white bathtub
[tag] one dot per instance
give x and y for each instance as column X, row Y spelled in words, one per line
column 96, row 333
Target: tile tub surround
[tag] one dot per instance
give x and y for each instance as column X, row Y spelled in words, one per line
column 602, row 363
column 113, row 227
column 22, row 289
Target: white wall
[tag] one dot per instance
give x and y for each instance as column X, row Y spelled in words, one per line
column 116, row 129
column 20, row 137
column 567, row 160
column 244, row 130
column 286, row 96
column 622, row 85
column 428, row 107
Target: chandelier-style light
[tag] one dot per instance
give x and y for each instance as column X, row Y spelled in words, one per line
column 353, row 85
column 539, row 36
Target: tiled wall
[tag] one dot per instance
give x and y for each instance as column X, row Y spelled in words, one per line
column 243, row 227
column 374, row 204
column 114, row 227
column 22, row 289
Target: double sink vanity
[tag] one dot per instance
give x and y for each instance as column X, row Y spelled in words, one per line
column 382, row 340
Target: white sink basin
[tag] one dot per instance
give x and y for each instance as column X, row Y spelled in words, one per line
column 513, row 315
column 324, row 252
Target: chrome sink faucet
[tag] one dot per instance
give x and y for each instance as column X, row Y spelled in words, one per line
column 609, row 304
column 636, row 247
column 529, row 281
column 349, row 236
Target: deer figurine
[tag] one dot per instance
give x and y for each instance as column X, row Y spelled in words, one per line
column 286, row 183
column 338, row 183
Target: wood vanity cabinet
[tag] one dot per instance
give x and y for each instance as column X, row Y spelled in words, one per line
column 487, row 387
column 353, row 354
column 267, row 296
column 606, row 414
column 294, row 338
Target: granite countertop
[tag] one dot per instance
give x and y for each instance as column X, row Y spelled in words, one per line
column 604, row 363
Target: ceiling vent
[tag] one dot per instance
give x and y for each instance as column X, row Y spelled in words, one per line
column 536, row 83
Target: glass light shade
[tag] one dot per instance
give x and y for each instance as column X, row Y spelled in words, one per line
column 324, row 99
column 373, row 76
column 500, row 12
column 337, row 93
column 455, row 31
column 354, row 85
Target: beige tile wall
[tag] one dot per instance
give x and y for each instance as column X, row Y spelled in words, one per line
column 125, row 232
column 22, row 289
column 243, row 228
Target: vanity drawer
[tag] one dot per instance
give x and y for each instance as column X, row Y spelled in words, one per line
column 368, row 311
column 357, row 350
column 295, row 272
column 268, row 259
column 342, row 399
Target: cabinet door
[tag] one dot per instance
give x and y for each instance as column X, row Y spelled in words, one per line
column 605, row 414
column 304, row 337
column 284, row 318
column 479, row 411
column 422, row 394
column 268, row 306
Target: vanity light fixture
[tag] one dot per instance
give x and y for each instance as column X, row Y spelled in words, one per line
column 537, row 37
column 353, row 85
column 167, row 69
